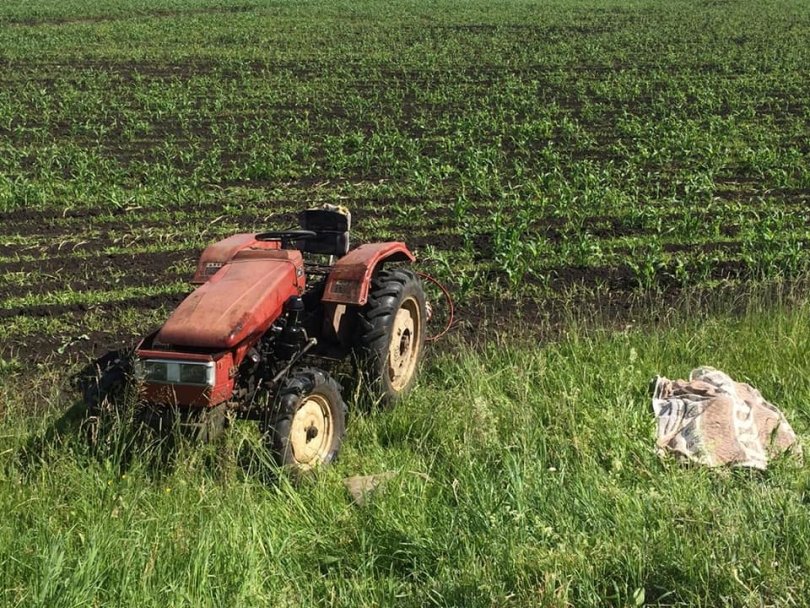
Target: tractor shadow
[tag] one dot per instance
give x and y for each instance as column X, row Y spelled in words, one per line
column 45, row 446
column 68, row 437
column 121, row 439
column 124, row 445
column 117, row 441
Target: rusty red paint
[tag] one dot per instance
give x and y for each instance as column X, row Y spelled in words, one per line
column 179, row 394
column 350, row 277
column 244, row 285
column 241, row 300
column 218, row 254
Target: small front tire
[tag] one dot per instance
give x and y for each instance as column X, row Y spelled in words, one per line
column 309, row 421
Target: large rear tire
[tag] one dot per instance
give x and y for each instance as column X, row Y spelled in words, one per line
column 309, row 422
column 391, row 337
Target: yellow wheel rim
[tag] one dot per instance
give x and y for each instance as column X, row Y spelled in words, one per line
column 403, row 350
column 311, row 432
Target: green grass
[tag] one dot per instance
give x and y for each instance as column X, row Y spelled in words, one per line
column 525, row 475
column 548, row 153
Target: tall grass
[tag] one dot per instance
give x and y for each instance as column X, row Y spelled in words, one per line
column 525, row 475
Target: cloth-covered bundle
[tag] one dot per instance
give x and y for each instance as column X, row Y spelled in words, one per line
column 714, row 421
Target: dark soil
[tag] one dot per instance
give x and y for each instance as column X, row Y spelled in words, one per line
column 482, row 321
column 33, row 349
column 95, row 273
column 155, row 13
column 52, row 310
column 60, row 222
column 617, row 303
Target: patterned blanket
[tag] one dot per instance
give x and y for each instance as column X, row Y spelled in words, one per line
column 713, row 420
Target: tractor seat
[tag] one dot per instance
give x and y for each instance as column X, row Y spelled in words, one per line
column 331, row 225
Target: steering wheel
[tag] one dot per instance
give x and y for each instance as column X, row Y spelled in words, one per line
column 285, row 236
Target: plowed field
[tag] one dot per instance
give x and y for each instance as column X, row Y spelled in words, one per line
column 528, row 152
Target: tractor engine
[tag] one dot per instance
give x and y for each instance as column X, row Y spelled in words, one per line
column 227, row 321
column 281, row 346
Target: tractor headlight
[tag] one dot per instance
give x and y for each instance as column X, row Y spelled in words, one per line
column 165, row 371
column 155, row 371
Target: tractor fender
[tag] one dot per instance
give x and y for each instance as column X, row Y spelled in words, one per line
column 350, row 277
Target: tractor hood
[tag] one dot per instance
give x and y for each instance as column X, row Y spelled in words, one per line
column 242, row 299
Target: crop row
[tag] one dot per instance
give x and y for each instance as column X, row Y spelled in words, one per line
column 526, row 154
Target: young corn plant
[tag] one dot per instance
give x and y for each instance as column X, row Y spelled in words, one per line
column 647, row 261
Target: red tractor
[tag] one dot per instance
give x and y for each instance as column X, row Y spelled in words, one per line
column 271, row 310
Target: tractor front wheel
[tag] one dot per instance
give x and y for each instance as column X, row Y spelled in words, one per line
column 309, row 421
column 392, row 334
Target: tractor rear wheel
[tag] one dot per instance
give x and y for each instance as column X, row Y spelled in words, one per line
column 309, row 422
column 392, row 334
